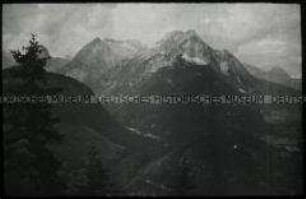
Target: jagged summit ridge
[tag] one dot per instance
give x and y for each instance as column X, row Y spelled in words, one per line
column 128, row 62
column 97, row 39
column 187, row 44
column 177, row 35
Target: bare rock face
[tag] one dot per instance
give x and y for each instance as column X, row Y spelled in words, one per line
column 44, row 53
column 100, row 56
column 279, row 74
column 106, row 53
column 188, row 44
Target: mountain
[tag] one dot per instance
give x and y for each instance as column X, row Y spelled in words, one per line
column 255, row 71
column 187, row 44
column 280, row 73
column 169, row 52
column 175, row 46
column 55, row 64
column 197, row 138
column 99, row 56
column 275, row 75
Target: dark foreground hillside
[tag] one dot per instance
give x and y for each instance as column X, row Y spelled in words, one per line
column 82, row 127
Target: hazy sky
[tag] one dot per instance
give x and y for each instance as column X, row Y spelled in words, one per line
column 264, row 35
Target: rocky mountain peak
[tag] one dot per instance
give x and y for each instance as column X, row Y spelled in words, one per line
column 278, row 71
column 188, row 44
column 97, row 40
column 180, row 36
column 173, row 35
column 44, row 53
column 96, row 43
column 93, row 49
column 191, row 32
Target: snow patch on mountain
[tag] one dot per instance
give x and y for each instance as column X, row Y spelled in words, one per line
column 224, row 67
column 194, row 60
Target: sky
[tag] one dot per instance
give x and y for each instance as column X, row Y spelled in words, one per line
column 264, row 35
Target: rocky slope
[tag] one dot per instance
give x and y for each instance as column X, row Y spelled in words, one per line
column 276, row 75
column 196, row 138
column 98, row 57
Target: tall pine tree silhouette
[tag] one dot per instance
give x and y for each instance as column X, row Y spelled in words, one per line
column 30, row 167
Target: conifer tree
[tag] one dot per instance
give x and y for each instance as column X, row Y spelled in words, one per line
column 30, row 167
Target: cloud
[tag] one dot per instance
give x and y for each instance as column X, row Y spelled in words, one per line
column 277, row 42
column 261, row 34
column 270, row 52
column 62, row 28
